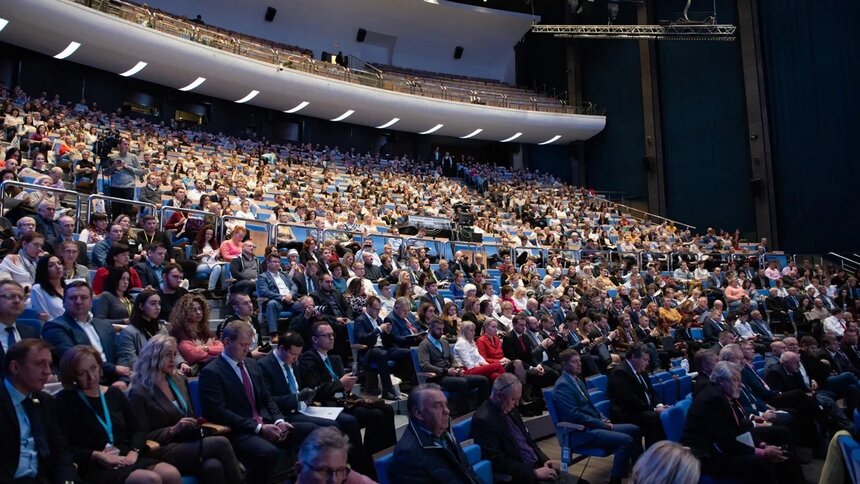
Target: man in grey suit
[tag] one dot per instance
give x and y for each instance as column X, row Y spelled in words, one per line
column 434, row 356
column 278, row 289
column 574, row 405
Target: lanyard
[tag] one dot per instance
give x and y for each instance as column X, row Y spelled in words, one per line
column 106, row 423
column 178, row 396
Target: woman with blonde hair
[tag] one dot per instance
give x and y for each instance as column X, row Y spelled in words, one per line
column 159, row 396
column 666, row 462
column 466, row 353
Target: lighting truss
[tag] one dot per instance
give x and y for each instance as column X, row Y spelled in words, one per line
column 682, row 31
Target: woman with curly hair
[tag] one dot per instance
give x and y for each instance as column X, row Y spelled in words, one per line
column 204, row 251
column 189, row 324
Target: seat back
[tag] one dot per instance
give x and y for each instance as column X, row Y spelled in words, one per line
column 604, row 407
column 673, row 419
column 685, row 386
column 350, row 330
column 550, row 405
column 382, row 464
column 463, row 430
column 597, row 381
column 194, row 393
column 851, row 453
column 596, row 396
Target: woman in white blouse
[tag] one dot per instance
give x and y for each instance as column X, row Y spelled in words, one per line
column 466, row 353
column 46, row 295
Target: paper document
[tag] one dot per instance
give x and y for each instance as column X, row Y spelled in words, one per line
column 328, row 413
column 746, row 439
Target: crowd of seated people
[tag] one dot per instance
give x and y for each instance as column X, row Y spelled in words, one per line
column 573, row 289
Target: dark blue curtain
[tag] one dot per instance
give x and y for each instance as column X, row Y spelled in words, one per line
column 811, row 50
column 703, row 114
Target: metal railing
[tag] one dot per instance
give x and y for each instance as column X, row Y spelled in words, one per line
column 165, row 212
column 845, row 262
column 98, row 196
column 26, row 186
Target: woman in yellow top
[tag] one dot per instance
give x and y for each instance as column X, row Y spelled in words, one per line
column 668, row 313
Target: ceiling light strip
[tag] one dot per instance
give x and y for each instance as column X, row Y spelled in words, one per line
column 193, row 85
column 72, row 47
column 134, row 70
column 433, row 129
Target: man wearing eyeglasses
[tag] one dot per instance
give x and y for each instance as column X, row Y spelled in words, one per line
column 11, row 306
column 245, row 269
column 322, row 459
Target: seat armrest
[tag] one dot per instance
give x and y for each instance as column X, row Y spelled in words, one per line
column 152, row 446
column 217, row 429
column 570, row 426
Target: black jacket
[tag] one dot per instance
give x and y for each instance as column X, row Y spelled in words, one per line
column 421, row 459
column 627, row 394
column 492, row 434
column 711, row 425
column 316, row 375
column 277, row 384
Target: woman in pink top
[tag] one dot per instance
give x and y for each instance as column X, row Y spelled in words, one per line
column 232, row 247
column 189, row 324
column 734, row 293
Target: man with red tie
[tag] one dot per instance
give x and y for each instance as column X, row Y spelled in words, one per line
column 233, row 393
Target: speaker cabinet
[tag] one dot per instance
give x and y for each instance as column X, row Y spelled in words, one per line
column 270, row 14
column 361, row 35
column 458, row 52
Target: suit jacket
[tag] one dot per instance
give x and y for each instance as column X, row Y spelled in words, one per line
column 156, row 413
column 420, row 459
column 761, row 328
column 780, row 380
column 712, row 329
column 756, row 385
column 267, row 288
column 301, row 284
column 400, row 333
column 498, row 445
column 148, row 276
column 316, row 375
column 525, row 352
column 55, row 463
column 853, row 353
column 366, row 334
column 277, row 384
column 337, row 306
column 573, row 405
column 224, row 401
column 428, row 298
column 64, row 332
column 839, row 362
column 26, row 330
column 627, row 395
column 712, row 426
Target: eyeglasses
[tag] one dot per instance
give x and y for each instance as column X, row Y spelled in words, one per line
column 13, row 297
column 325, row 335
column 337, row 475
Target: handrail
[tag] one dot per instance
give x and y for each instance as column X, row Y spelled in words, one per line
column 9, row 183
column 99, row 196
column 845, row 258
column 246, row 221
column 163, row 215
column 647, row 214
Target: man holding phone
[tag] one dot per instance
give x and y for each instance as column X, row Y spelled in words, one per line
column 123, row 172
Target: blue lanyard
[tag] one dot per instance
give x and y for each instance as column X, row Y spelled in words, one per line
column 106, row 423
column 178, row 396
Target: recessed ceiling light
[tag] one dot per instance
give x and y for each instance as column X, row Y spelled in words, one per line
column 134, row 70
column 388, row 124
column 73, row 46
column 551, row 140
column 512, row 137
column 473, row 133
column 3, row 23
column 433, row 129
column 250, row 96
column 193, row 85
column 298, row 108
column 343, row 116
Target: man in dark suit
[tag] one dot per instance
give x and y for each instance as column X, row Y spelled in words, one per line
column 499, row 429
column 432, row 297
column 233, row 393
column 324, row 372
column 713, row 326
column 518, row 346
column 286, row 387
column 31, row 443
column 306, row 281
column 77, row 327
column 405, row 329
column 633, row 398
column 277, row 289
column 574, row 405
column 434, row 356
column 714, row 423
column 379, row 349
column 428, row 453
column 11, row 306
column 848, row 345
column 45, row 224
column 336, row 312
column 151, row 269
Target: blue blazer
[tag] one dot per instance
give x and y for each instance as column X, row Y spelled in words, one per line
column 400, row 333
column 573, row 407
column 367, row 335
column 277, row 384
column 64, row 333
column 268, row 289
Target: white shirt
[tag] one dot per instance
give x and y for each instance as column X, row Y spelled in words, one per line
column 93, row 335
column 283, row 290
column 467, row 354
column 4, row 335
column 745, row 330
column 285, row 368
column 834, row 325
column 375, row 326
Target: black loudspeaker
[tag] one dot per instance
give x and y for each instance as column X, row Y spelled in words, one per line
column 648, row 163
column 361, row 35
column 757, row 187
column 270, row 14
column 458, row 52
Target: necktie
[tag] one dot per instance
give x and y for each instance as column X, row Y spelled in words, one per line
column 409, row 325
column 310, row 283
column 294, row 387
column 249, row 392
column 330, row 369
column 522, row 344
column 10, row 337
column 36, row 426
column 644, row 388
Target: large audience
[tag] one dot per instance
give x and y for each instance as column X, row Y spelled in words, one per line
column 330, row 312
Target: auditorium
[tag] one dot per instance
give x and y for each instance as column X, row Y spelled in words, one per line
column 429, row 241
